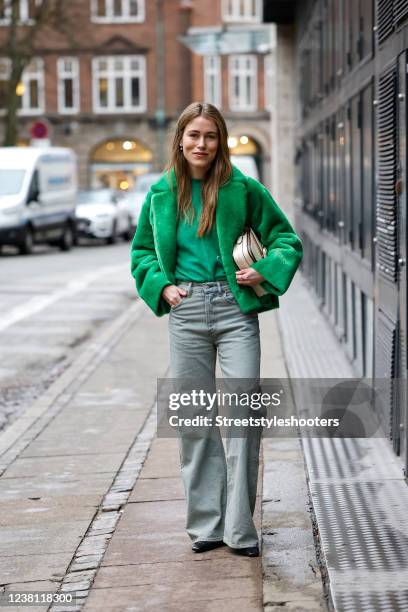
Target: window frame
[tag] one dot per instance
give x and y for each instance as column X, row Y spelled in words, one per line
column 242, row 74
column 61, row 76
column 125, row 17
column 110, row 77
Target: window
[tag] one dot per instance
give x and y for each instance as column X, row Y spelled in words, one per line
column 242, row 10
column 339, row 39
column 366, row 39
column 348, row 190
column 359, row 325
column 34, row 188
column 350, row 318
column 367, row 132
column 26, row 10
column 318, row 202
column 31, row 89
column 332, row 290
column 119, row 84
column 340, row 175
column 118, row 11
column 212, row 80
column 345, row 318
column 324, row 212
column 243, row 90
column 322, row 282
column 332, row 179
column 268, row 81
column 353, row 320
column 68, row 85
column 367, row 316
column 31, row 101
column 327, row 271
column 356, row 202
column 354, row 27
column 325, row 50
column 32, row 98
column 337, row 295
column 361, row 175
column 358, row 30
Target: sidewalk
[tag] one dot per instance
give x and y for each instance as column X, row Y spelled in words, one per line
column 149, row 564
column 92, row 502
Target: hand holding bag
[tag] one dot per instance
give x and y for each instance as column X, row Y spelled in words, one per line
column 247, row 250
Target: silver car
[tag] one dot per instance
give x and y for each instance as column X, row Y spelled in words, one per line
column 101, row 214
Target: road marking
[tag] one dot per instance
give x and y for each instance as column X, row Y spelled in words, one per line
column 38, row 303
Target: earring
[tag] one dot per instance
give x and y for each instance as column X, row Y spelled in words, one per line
column 181, row 147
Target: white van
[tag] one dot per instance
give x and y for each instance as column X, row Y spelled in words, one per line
column 38, row 188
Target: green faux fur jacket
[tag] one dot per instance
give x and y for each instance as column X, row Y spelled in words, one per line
column 242, row 201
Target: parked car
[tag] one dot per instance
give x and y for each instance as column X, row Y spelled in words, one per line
column 101, row 214
column 133, row 200
column 38, row 188
column 247, row 165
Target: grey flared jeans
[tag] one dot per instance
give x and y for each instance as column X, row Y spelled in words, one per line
column 220, row 486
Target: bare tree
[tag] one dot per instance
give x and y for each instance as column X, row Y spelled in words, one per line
column 20, row 47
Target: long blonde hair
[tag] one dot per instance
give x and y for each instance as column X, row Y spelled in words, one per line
column 218, row 174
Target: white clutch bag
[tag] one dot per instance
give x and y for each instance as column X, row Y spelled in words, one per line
column 247, row 250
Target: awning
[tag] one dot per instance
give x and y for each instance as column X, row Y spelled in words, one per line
column 225, row 42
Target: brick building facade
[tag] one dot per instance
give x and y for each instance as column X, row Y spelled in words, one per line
column 113, row 85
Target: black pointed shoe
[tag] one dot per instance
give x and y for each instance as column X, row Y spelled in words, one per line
column 203, row 546
column 249, row 551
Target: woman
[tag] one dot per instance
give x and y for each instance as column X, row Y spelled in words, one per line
column 183, row 265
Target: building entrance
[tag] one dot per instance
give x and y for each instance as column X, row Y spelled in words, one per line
column 116, row 163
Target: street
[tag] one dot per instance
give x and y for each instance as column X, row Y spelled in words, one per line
column 51, row 303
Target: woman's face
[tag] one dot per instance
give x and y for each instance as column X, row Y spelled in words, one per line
column 200, row 144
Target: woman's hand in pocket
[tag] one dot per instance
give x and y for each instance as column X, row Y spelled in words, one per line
column 173, row 294
column 249, row 277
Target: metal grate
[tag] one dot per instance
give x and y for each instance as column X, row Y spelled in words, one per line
column 351, row 459
column 361, row 501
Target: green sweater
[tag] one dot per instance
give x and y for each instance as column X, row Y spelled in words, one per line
column 198, row 258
